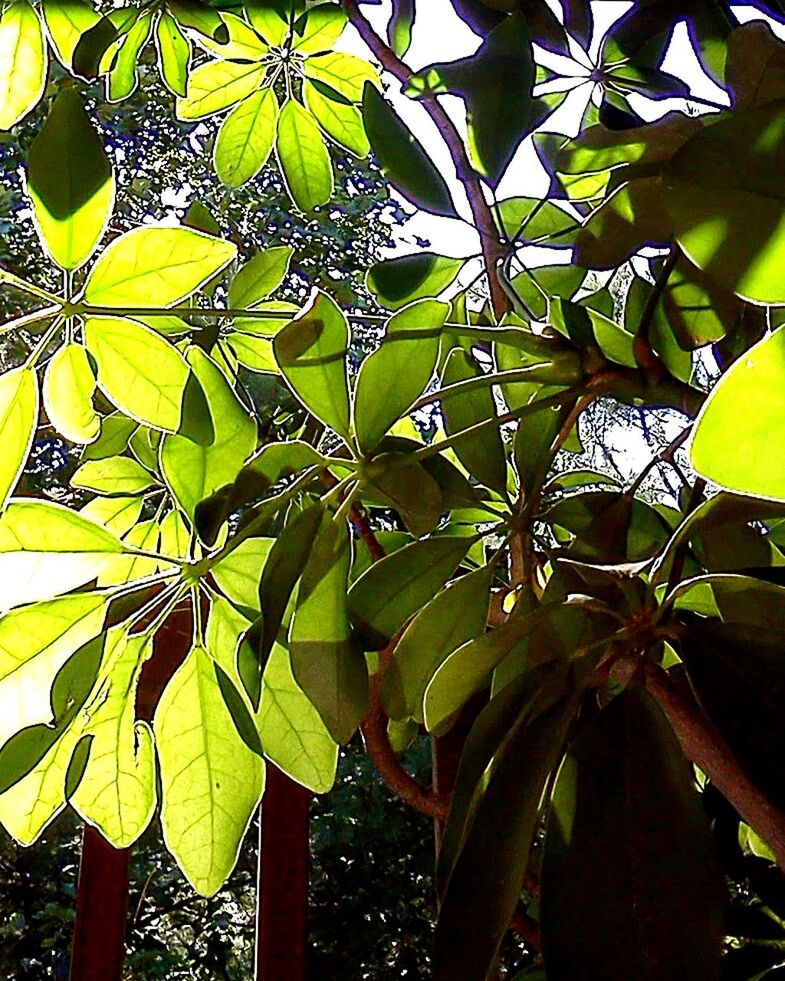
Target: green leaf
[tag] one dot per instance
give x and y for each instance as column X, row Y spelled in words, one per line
column 482, row 453
column 117, row 792
column 292, row 732
column 211, row 782
column 140, row 372
column 270, row 18
column 755, row 381
column 393, row 377
column 402, row 158
column 326, row 661
column 624, row 772
column 345, row 73
column 238, row 574
column 396, row 282
column 69, row 384
column 116, row 430
column 725, row 221
column 496, row 86
column 46, row 549
column 192, row 471
column 18, row 421
column 736, row 670
column 401, row 482
column 217, row 85
column 123, row 79
column 66, row 21
column 23, row 66
column 486, row 881
column 284, row 567
column 311, row 353
column 42, row 754
column 393, row 589
column 117, row 514
column 260, row 276
column 337, row 117
column 453, row 617
column 399, row 27
column 534, row 219
column 303, row 157
column 70, row 182
column 156, row 267
column 200, row 17
column 174, row 53
column 322, row 26
column 113, row 475
column 585, row 327
column 245, row 139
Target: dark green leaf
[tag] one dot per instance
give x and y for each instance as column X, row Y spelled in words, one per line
column 628, row 857
column 402, row 157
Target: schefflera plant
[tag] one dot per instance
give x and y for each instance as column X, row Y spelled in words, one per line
column 287, row 50
column 71, row 661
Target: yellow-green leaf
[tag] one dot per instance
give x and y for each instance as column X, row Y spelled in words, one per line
column 18, row 419
column 22, row 62
column 117, row 792
column 211, row 782
column 340, row 120
column 246, row 138
column 139, row 371
column 69, row 384
column 218, row 85
column 345, row 73
column 156, row 266
column 304, row 160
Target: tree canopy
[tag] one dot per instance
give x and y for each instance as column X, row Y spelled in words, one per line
column 397, row 533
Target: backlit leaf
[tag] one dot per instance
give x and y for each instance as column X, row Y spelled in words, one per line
column 22, row 62
column 69, row 384
column 303, row 157
column 18, row 420
column 245, row 139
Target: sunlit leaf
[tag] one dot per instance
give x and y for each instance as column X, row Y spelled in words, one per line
column 245, row 139
column 138, row 370
column 156, row 267
column 303, row 157
column 69, row 384
column 211, row 782
column 18, row 420
column 218, row 85
column 22, row 62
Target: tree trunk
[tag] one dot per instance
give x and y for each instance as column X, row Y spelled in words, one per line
column 282, row 892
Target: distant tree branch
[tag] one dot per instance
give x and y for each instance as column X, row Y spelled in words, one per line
column 490, row 238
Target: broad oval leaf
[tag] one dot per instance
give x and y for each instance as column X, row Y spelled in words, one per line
column 392, row 378
column 311, row 353
column 69, row 384
column 245, row 139
column 217, row 86
column 387, row 594
column 174, row 52
column 22, row 62
column 70, row 182
column 156, row 267
column 624, row 772
column 402, row 157
column 114, row 475
column 396, row 282
column 755, row 381
column 338, row 118
column 292, row 732
column 18, row 420
column 193, row 471
column 304, row 160
column 326, row 661
column 139, row 371
column 211, row 781
column 260, row 276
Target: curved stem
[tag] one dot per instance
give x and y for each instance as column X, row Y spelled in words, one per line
column 490, row 238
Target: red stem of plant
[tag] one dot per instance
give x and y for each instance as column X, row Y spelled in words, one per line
column 705, row 746
column 282, row 889
column 492, row 245
column 98, row 949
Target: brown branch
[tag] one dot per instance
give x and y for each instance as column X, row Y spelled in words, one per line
column 492, row 245
column 704, row 745
column 377, row 742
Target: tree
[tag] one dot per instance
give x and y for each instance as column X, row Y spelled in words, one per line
column 593, row 643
